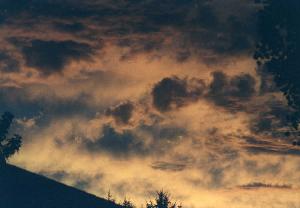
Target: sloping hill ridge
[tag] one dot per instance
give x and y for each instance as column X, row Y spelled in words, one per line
column 22, row 189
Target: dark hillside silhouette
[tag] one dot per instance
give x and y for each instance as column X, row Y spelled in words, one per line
column 22, row 189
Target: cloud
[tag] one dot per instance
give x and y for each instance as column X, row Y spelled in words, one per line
column 122, row 113
column 173, row 92
column 69, row 27
column 272, row 119
column 166, row 166
column 164, row 135
column 143, row 140
column 208, row 30
column 204, row 27
column 118, row 144
column 40, row 98
column 256, row 185
column 8, row 63
column 77, row 180
column 230, row 91
column 59, row 175
column 47, row 8
column 167, row 87
column 52, row 56
column 277, row 150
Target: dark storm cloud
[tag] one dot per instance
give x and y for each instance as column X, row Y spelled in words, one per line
column 267, row 82
column 169, row 91
column 216, row 176
column 256, row 185
column 269, row 145
column 72, row 27
column 195, row 27
column 255, row 168
column 201, row 23
column 52, row 56
column 21, row 102
column 229, row 91
column 59, row 175
column 273, row 119
column 80, row 183
column 16, row 100
column 143, row 140
column 125, row 143
column 173, row 92
column 45, row 8
column 121, row 113
column 140, row 45
column 276, row 150
column 162, row 133
column 8, row 63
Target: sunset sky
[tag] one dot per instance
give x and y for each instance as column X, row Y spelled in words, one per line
column 135, row 96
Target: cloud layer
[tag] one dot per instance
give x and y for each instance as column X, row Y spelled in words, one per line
column 137, row 96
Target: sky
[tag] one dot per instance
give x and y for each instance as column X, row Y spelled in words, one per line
column 138, row 96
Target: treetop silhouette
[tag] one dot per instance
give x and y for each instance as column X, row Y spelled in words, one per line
column 278, row 51
column 8, row 145
column 162, row 200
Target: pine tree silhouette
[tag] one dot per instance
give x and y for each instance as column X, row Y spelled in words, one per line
column 162, row 200
column 127, row 204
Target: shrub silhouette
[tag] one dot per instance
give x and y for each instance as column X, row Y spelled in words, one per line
column 8, row 145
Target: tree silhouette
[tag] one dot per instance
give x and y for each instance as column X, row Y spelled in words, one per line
column 110, row 197
column 127, row 204
column 162, row 200
column 8, row 145
column 278, row 50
